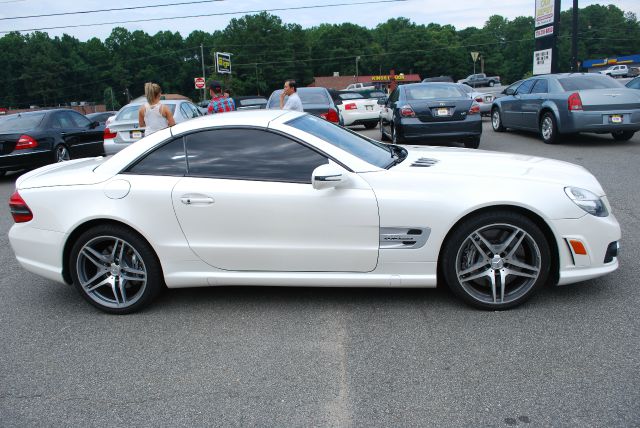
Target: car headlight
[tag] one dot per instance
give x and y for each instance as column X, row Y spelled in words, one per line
column 588, row 201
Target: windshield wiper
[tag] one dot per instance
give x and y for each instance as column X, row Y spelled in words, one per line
column 398, row 154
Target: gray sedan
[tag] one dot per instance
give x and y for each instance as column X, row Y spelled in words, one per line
column 569, row 103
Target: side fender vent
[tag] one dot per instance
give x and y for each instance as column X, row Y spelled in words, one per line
column 425, row 162
column 403, row 237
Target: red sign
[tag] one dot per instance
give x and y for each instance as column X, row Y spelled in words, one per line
column 546, row 31
column 199, row 81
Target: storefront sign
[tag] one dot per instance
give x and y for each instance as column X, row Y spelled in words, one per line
column 544, row 12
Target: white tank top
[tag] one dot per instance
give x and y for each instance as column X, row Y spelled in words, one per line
column 153, row 119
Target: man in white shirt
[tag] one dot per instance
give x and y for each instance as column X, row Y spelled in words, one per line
column 293, row 100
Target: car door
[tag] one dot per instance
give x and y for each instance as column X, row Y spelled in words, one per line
column 532, row 103
column 90, row 137
column 512, row 106
column 386, row 114
column 247, row 204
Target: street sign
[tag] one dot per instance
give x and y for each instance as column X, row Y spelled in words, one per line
column 474, row 56
column 223, row 63
column 199, row 82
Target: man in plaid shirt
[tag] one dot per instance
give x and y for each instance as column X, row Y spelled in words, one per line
column 219, row 103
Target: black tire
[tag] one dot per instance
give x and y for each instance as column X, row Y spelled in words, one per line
column 102, row 257
column 472, row 143
column 395, row 138
column 383, row 136
column 549, row 128
column 469, row 265
column 496, row 120
column 370, row 125
column 622, row 135
column 61, row 153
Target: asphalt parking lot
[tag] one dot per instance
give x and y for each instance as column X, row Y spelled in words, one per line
column 335, row 357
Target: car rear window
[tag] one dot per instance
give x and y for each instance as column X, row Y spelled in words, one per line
column 307, row 97
column 576, row 83
column 428, row 92
column 252, row 101
column 131, row 112
column 350, row 96
column 377, row 94
column 20, row 122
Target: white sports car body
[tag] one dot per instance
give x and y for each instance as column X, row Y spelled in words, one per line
column 282, row 198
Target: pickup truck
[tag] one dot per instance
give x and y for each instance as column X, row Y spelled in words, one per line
column 359, row 87
column 616, row 71
column 480, row 79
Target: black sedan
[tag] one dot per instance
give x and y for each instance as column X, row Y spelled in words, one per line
column 33, row 139
column 439, row 112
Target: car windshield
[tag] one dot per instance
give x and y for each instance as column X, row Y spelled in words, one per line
column 576, row 83
column 131, row 112
column 368, row 150
column 20, row 122
column 428, row 92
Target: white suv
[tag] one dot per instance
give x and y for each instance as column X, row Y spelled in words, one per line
column 616, row 71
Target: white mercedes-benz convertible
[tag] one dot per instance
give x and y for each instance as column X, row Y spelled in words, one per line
column 282, row 198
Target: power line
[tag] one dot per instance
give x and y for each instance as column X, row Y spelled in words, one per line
column 208, row 14
column 106, row 10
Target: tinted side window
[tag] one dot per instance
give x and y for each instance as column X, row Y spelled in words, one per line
column 80, row 120
column 250, row 154
column 634, row 84
column 541, row 87
column 168, row 159
column 185, row 111
column 525, row 87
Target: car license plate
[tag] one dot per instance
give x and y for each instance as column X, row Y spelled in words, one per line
column 369, row 107
column 488, row 99
column 136, row 135
column 616, row 118
column 442, row 112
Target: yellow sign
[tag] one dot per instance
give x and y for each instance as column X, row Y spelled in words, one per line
column 387, row 78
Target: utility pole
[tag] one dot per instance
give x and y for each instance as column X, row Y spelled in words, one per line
column 257, row 85
column 574, row 39
column 357, row 59
column 203, row 75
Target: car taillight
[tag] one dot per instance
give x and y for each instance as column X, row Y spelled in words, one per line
column 575, row 102
column 475, row 109
column 19, row 209
column 108, row 134
column 350, row 106
column 26, row 142
column 407, row 111
column 331, row 116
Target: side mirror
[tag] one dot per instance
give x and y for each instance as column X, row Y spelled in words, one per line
column 327, row 176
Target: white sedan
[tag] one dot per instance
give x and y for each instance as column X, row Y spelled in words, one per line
column 273, row 197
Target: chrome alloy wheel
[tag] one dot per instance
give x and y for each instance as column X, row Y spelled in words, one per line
column 498, row 263
column 111, row 272
column 547, row 128
column 495, row 118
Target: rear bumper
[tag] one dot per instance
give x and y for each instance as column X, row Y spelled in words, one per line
column 598, row 121
column 413, row 129
column 46, row 261
column 32, row 159
column 112, row 147
column 360, row 118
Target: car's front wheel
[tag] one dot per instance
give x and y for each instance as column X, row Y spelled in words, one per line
column 383, row 136
column 492, row 83
column 496, row 120
column 115, row 269
column 622, row 135
column 496, row 260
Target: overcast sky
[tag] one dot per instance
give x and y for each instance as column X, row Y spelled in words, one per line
column 461, row 13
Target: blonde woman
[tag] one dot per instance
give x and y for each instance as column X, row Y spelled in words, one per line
column 154, row 116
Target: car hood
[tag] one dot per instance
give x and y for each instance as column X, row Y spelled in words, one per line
column 69, row 173
column 486, row 164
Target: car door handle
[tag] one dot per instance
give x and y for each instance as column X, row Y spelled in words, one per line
column 196, row 200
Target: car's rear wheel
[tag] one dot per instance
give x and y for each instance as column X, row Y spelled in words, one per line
column 496, row 260
column 61, row 153
column 383, row 136
column 472, row 143
column 115, row 269
column 622, row 135
column 496, row 120
column 370, row 125
column 549, row 128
